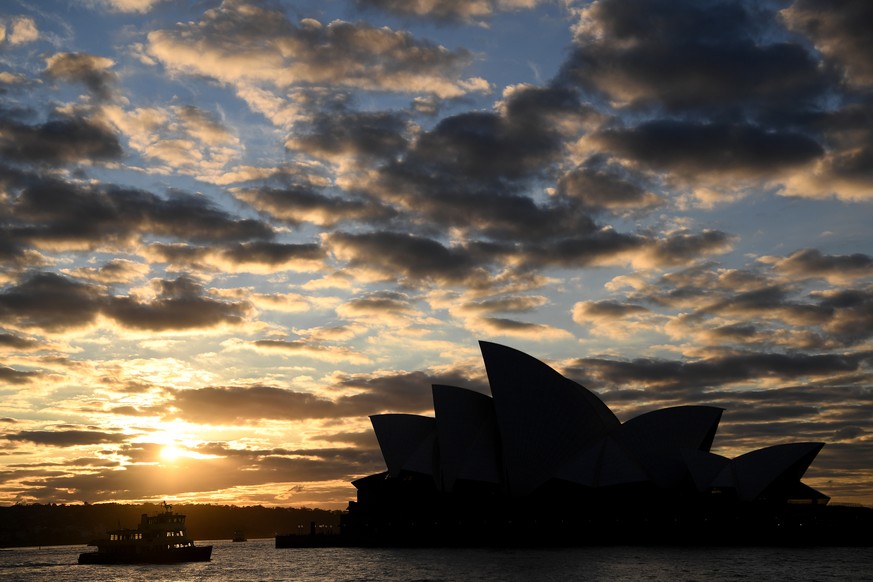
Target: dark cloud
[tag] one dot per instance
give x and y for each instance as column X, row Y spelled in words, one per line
column 17, row 377
column 845, row 171
column 756, row 306
column 246, row 404
column 51, row 302
column 405, row 392
column 372, row 394
column 470, row 171
column 15, row 342
column 300, row 204
column 379, row 307
column 851, row 314
column 369, row 136
column 711, row 148
column 90, row 70
column 180, row 304
column 841, row 30
column 608, row 309
column 601, row 185
column 731, row 59
column 48, row 211
column 407, row 257
column 683, row 247
column 66, row 438
column 702, row 284
column 689, row 379
column 272, row 253
column 601, row 247
column 519, row 141
column 511, row 304
column 55, row 303
column 812, row 263
column 60, row 140
column 506, row 325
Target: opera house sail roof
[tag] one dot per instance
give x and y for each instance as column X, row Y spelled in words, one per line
column 539, row 427
column 542, row 460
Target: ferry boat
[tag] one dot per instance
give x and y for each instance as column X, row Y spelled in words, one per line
column 159, row 539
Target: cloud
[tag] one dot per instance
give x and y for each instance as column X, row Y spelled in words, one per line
column 812, row 263
column 336, row 135
column 50, row 302
column 689, row 380
column 468, row 11
column 506, row 327
column 845, row 169
column 114, row 271
column 715, row 57
column 261, row 257
column 604, row 186
column 359, row 396
column 66, row 438
column 382, row 308
column 298, row 204
column 21, row 30
column 612, row 318
column 54, row 303
column 309, row 349
column 197, row 123
column 840, row 32
column 725, row 97
column 90, row 70
column 692, row 148
column 16, row 377
column 62, row 139
column 179, row 305
column 128, row 6
column 49, row 212
column 405, row 257
column 745, row 307
column 520, row 140
column 183, row 139
column 240, row 42
column 608, row 247
column 216, row 405
column 13, row 342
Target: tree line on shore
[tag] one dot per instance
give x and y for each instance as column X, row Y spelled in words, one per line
column 51, row 524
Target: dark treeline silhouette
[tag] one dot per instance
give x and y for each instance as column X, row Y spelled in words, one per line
column 44, row 525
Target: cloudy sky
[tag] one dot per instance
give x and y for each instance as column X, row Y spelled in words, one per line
column 233, row 230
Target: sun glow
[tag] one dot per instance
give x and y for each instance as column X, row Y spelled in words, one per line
column 172, row 453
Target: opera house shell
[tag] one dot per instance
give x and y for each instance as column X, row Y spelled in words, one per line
column 544, row 460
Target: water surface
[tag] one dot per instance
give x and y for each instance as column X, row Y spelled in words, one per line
column 259, row 560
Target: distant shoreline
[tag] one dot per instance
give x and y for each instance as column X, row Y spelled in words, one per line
column 37, row 525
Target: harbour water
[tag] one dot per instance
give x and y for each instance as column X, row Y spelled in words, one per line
column 259, row 560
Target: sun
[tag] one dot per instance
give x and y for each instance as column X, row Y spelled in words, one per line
column 171, row 453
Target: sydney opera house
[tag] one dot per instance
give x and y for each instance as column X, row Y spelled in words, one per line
column 544, row 460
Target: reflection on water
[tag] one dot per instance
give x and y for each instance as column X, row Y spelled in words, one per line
column 259, row 560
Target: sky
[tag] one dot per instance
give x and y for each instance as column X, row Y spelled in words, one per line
column 231, row 231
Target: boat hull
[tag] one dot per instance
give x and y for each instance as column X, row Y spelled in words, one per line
column 175, row 556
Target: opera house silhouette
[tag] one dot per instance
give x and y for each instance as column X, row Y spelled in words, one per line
column 544, row 461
